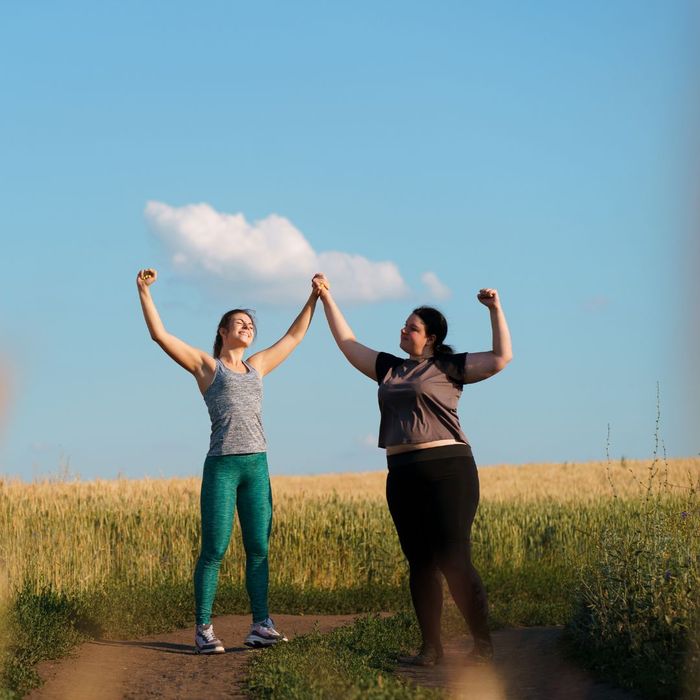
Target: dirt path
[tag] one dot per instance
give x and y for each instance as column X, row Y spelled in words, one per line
column 165, row 665
column 528, row 666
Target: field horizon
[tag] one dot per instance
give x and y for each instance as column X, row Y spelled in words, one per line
column 529, row 480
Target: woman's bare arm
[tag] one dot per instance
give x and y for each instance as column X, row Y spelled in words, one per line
column 359, row 356
column 195, row 361
column 482, row 365
column 266, row 360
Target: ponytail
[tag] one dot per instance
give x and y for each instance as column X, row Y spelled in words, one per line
column 443, row 349
column 218, row 343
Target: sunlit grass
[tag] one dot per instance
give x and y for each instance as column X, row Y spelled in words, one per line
column 328, row 530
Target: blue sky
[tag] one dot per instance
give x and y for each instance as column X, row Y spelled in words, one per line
column 546, row 149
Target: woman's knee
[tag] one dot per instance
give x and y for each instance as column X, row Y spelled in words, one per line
column 422, row 562
column 455, row 560
column 212, row 556
column 257, row 547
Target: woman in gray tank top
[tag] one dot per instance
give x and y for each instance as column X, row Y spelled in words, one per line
column 235, row 471
column 432, row 484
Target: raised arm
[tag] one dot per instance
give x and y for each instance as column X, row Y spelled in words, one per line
column 266, row 360
column 482, row 365
column 195, row 361
column 359, row 356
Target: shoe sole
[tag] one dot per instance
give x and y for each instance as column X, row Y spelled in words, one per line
column 258, row 643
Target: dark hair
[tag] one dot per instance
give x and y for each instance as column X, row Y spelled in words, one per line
column 224, row 323
column 435, row 324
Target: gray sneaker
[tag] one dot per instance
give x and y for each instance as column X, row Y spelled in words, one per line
column 206, row 642
column 264, row 634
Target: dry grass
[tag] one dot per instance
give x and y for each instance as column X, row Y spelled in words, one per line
column 566, row 483
column 330, row 529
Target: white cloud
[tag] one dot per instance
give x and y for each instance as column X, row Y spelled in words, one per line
column 435, row 287
column 271, row 257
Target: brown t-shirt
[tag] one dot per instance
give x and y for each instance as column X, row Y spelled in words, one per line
column 418, row 400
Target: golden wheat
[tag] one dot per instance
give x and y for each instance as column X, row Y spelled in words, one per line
column 331, row 531
column 565, row 482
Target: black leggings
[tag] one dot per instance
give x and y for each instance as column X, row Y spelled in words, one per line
column 433, row 495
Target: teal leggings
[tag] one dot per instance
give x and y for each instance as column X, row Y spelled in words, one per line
column 228, row 481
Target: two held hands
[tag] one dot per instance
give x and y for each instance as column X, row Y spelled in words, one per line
column 320, row 284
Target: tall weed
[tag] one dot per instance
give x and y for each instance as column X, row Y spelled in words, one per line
column 638, row 609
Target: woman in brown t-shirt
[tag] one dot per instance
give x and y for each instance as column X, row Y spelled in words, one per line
column 432, row 484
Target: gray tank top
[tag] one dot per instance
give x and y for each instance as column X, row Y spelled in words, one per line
column 235, row 404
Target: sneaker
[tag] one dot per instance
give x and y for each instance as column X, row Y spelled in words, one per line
column 206, row 642
column 263, row 634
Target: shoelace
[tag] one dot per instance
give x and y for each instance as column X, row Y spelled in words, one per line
column 208, row 633
column 267, row 627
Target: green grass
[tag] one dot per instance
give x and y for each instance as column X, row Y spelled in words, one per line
column 44, row 625
column 532, row 594
column 350, row 662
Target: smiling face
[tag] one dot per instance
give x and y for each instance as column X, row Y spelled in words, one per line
column 240, row 331
column 414, row 338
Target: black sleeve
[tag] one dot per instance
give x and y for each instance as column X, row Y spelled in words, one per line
column 384, row 363
column 454, row 366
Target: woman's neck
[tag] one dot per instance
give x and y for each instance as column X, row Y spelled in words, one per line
column 420, row 358
column 232, row 357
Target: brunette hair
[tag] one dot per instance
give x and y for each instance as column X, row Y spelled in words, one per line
column 224, row 323
column 435, row 324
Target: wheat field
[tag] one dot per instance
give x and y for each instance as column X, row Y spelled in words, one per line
column 563, row 482
column 331, row 530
